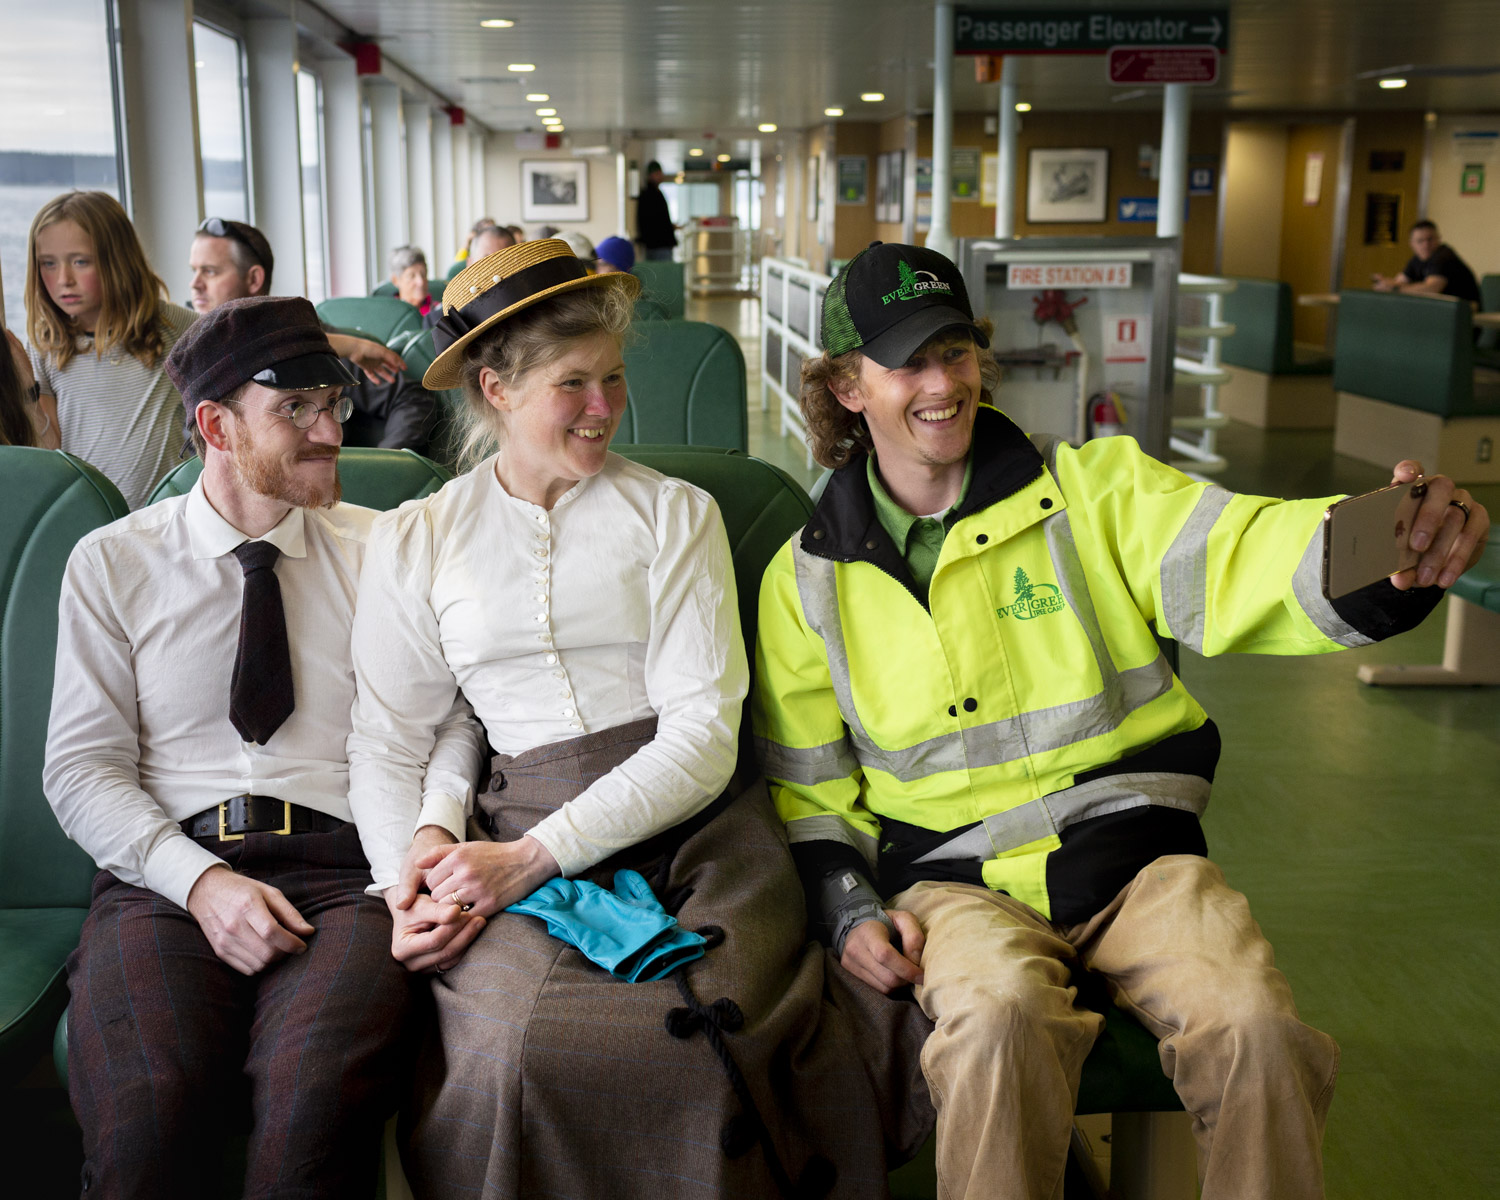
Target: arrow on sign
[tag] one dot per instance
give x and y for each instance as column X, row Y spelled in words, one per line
column 1212, row 30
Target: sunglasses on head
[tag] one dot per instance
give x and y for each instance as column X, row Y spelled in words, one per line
column 218, row 227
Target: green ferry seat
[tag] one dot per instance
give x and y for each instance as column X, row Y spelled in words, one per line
column 381, row 318
column 687, row 386
column 375, row 478
column 665, row 283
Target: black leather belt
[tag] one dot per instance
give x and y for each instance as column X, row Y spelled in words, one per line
column 231, row 820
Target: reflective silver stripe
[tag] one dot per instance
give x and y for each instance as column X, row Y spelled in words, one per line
column 1046, row 445
column 809, row 765
column 1307, row 586
column 1040, row 818
column 827, row 828
column 1036, row 732
column 1184, row 570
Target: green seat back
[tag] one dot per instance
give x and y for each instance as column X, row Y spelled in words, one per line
column 1261, row 312
column 664, row 282
column 1489, row 301
column 372, row 477
column 1415, row 351
column 51, row 500
column 458, row 265
column 687, row 386
column 384, row 288
column 649, row 308
column 1480, row 584
column 762, row 507
column 435, row 289
column 381, row 318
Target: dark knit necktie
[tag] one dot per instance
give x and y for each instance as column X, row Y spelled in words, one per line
column 260, row 691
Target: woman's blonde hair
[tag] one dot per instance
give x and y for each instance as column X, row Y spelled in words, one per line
column 837, row 435
column 131, row 292
column 534, row 337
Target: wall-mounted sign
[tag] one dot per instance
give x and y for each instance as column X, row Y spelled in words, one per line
column 1471, row 182
column 854, row 179
column 924, row 175
column 1200, row 181
column 965, row 181
column 1162, row 64
column 1312, row 177
column 1136, row 208
column 1475, row 145
column 1068, row 275
column 1085, row 31
column 1382, row 218
column 1126, row 339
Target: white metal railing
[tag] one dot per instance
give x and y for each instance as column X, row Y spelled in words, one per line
column 1200, row 452
column 718, row 256
column 791, row 319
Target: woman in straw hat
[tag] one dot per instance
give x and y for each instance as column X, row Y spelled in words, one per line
column 585, row 606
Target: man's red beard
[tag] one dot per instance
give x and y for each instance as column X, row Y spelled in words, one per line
column 264, row 474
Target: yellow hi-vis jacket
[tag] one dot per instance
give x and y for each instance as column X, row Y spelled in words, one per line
column 1023, row 728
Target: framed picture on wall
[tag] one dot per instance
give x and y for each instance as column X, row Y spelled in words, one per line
column 1067, row 185
column 554, row 189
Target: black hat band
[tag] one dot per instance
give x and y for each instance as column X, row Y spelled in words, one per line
column 549, row 273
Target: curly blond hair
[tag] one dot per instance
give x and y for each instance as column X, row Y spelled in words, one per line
column 836, row 435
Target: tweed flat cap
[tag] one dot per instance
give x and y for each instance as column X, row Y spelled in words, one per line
column 274, row 340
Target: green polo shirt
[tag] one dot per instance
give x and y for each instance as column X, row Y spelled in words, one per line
column 918, row 539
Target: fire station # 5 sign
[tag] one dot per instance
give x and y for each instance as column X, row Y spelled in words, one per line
column 1068, row 275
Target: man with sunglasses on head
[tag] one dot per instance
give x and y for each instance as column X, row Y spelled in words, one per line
column 196, row 751
column 231, row 260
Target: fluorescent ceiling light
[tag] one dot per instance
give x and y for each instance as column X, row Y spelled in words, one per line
column 1022, row 106
column 537, row 97
column 520, row 68
column 551, row 120
column 546, row 112
column 872, row 97
column 723, row 158
column 767, row 127
column 695, row 152
column 1393, row 83
column 496, row 23
column 833, row 112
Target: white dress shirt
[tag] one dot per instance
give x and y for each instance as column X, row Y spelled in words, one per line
column 140, row 736
column 617, row 605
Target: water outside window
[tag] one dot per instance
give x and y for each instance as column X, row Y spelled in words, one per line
column 219, row 75
column 314, row 224
column 53, row 136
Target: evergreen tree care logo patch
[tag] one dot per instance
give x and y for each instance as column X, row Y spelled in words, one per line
column 1032, row 599
column 912, row 285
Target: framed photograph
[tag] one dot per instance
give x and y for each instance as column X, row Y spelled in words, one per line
column 1067, row 185
column 554, row 189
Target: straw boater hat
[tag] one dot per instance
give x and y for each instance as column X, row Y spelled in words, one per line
column 499, row 285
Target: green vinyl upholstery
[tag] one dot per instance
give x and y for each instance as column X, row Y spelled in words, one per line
column 687, row 386
column 1415, row 351
column 1480, row 584
column 665, row 283
column 372, row 477
column 649, row 308
column 1261, row 312
column 384, row 288
column 380, row 318
column 51, row 500
column 1487, row 344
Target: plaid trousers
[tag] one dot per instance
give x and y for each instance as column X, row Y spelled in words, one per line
column 171, row 1050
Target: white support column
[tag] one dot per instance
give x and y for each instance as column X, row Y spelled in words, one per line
column 446, row 231
column 464, row 215
column 1005, row 183
column 622, row 200
column 164, row 172
column 276, row 162
column 940, row 236
column 345, row 175
column 391, row 227
column 478, row 184
column 419, row 193
column 1171, row 191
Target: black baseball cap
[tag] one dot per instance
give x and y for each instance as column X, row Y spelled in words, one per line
column 892, row 299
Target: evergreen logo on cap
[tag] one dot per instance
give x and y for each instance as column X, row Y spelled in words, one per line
column 915, row 283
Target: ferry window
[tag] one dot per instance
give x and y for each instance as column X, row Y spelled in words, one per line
column 310, row 141
column 53, row 136
column 688, row 200
column 220, row 75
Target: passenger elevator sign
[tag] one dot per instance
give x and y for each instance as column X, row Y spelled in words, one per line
column 1086, row 31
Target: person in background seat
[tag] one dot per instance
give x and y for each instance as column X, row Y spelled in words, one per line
column 100, row 328
column 231, row 260
column 990, row 774
column 614, row 254
column 196, row 752
column 408, row 268
column 1434, row 269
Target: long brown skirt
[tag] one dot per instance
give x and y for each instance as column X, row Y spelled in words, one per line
column 761, row 1069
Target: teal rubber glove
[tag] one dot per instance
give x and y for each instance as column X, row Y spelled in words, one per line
column 627, row 932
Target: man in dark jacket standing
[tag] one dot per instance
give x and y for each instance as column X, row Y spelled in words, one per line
column 653, row 221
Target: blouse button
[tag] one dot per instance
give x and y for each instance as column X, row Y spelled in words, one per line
column 541, row 552
column 541, row 597
column 568, row 712
column 551, row 658
column 577, row 724
column 541, row 618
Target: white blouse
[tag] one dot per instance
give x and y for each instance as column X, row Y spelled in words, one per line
column 617, row 605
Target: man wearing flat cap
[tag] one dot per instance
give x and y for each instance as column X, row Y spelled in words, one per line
column 196, row 751
column 991, row 777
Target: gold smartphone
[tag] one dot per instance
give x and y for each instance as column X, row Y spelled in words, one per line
column 1365, row 538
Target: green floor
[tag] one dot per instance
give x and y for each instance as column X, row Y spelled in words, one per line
column 1364, row 824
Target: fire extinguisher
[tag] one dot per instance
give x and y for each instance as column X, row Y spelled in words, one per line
column 1106, row 415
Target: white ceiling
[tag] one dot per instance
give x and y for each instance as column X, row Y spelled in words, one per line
column 687, row 68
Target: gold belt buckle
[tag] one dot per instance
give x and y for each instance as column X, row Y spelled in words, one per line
column 225, row 836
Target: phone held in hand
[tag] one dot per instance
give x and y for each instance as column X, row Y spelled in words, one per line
column 1367, row 538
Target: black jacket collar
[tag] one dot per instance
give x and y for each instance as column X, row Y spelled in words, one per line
column 845, row 527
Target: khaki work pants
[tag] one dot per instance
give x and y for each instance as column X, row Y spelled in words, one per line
column 1180, row 953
